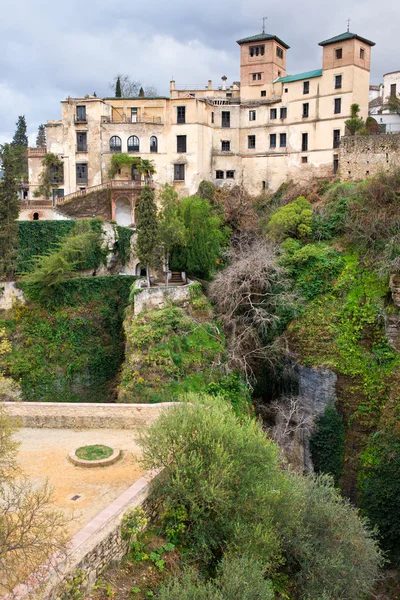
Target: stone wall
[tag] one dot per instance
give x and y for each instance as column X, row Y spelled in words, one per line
column 91, row 550
column 364, row 155
column 156, row 297
column 67, row 415
column 95, row 204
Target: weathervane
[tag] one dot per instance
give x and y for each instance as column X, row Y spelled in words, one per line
column 263, row 20
column 348, row 24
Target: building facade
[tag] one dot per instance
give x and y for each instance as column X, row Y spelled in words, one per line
column 389, row 122
column 258, row 132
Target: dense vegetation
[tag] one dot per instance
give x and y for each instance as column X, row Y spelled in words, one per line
column 71, row 349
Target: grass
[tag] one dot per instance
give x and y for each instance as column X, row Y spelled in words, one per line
column 96, row 452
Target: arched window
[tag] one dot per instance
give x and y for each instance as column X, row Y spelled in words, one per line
column 133, row 144
column 115, row 144
column 36, row 216
column 153, row 144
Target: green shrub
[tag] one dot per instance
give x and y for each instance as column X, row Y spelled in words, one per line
column 124, row 235
column 331, row 216
column 379, row 486
column 238, row 578
column 327, row 444
column 313, row 266
column 293, row 220
column 37, row 238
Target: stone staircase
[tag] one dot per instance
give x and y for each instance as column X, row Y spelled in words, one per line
column 175, row 279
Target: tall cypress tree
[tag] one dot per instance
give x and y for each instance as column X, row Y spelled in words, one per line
column 20, row 145
column 9, row 211
column 141, row 93
column 41, row 137
column 147, row 228
column 118, row 92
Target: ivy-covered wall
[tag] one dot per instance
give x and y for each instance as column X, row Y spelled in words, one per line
column 72, row 349
column 36, row 238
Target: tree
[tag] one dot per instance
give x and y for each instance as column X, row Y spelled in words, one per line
column 293, row 220
column 31, row 529
column 41, row 137
column 224, row 494
column 206, row 238
column 118, row 91
column 355, row 123
column 252, row 297
column 141, row 93
column 147, row 230
column 172, row 231
column 20, row 145
column 130, row 88
column 392, row 104
column 9, row 211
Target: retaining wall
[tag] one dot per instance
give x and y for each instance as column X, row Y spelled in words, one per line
column 156, row 297
column 68, row 415
column 364, row 155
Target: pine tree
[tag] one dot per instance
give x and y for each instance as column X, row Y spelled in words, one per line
column 9, row 211
column 20, row 145
column 41, row 137
column 118, row 92
column 141, row 93
column 147, row 227
column 20, row 138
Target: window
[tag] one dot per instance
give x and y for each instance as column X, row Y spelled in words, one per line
column 134, row 115
column 256, row 76
column 133, row 144
column 338, row 106
column 230, row 174
column 393, row 90
column 115, row 144
column 56, row 174
column 263, row 93
column 252, row 115
column 283, row 112
column 225, row 118
column 81, row 173
column 286, row 90
column 272, row 113
column 219, row 174
column 179, row 172
column 304, row 159
column 306, row 110
column 272, row 140
column 335, row 163
column 257, row 50
column 181, row 143
column 306, row 87
column 338, row 53
column 81, row 142
column 362, row 53
column 336, row 138
column 264, row 185
column 153, row 144
column 81, row 114
column 251, row 142
column 212, row 117
column 279, row 52
column 58, row 193
column 282, row 140
column 338, row 82
column 225, row 146
column 304, row 142
column 136, row 175
column 181, row 114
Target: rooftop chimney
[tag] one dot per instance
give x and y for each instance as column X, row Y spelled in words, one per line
column 224, row 80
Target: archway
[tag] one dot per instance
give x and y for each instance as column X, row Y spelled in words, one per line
column 140, row 271
column 123, row 212
column 36, row 216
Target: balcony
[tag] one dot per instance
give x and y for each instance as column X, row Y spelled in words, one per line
column 128, row 119
column 80, row 120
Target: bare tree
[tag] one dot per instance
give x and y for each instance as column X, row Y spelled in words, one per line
column 32, row 531
column 250, row 296
column 292, row 416
column 131, row 88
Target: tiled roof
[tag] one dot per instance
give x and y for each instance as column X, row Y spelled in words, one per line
column 300, row 76
column 262, row 37
column 346, row 36
column 376, row 102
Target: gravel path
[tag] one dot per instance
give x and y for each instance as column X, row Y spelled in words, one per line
column 43, row 455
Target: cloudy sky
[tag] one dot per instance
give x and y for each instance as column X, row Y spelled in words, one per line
column 51, row 49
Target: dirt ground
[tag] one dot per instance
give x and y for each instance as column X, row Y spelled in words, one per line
column 43, row 455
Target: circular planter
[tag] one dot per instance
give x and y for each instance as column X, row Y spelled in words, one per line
column 103, row 462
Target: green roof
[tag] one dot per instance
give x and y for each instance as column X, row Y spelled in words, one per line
column 261, row 37
column 300, row 76
column 346, row 36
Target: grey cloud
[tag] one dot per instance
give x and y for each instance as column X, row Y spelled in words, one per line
column 49, row 50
